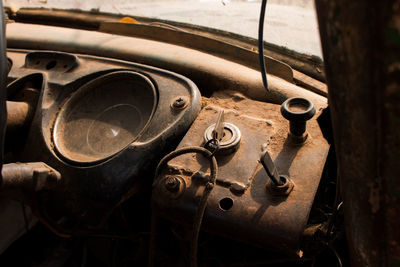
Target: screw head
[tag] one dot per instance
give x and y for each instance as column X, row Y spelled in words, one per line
column 172, row 184
column 179, row 102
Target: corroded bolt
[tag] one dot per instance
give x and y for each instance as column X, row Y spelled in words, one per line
column 180, row 102
column 172, row 184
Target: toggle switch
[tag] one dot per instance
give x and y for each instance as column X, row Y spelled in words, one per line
column 279, row 185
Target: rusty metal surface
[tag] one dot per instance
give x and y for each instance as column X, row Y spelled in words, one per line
column 310, row 83
column 306, row 64
column 362, row 66
column 202, row 43
column 93, row 189
column 20, row 113
column 22, row 95
column 240, row 207
column 17, row 115
column 209, row 72
column 32, row 176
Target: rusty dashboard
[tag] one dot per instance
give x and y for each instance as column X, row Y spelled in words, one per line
column 204, row 149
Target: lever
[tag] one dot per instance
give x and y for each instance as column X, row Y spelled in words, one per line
column 280, row 185
column 271, row 169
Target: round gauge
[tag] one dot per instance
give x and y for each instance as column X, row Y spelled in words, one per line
column 104, row 116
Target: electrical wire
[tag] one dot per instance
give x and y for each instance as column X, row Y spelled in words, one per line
column 261, row 45
column 202, row 205
column 332, row 219
column 337, row 205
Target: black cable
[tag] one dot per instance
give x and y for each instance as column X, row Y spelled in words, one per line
column 198, row 220
column 203, row 201
column 332, row 219
column 336, row 206
column 261, row 45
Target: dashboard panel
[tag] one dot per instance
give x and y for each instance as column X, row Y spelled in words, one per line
column 104, row 128
column 100, row 123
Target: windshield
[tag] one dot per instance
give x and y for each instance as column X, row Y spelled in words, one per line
column 288, row 23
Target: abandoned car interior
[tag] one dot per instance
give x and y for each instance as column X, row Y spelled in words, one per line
column 137, row 141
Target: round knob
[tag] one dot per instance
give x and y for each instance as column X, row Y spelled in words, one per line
column 298, row 111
